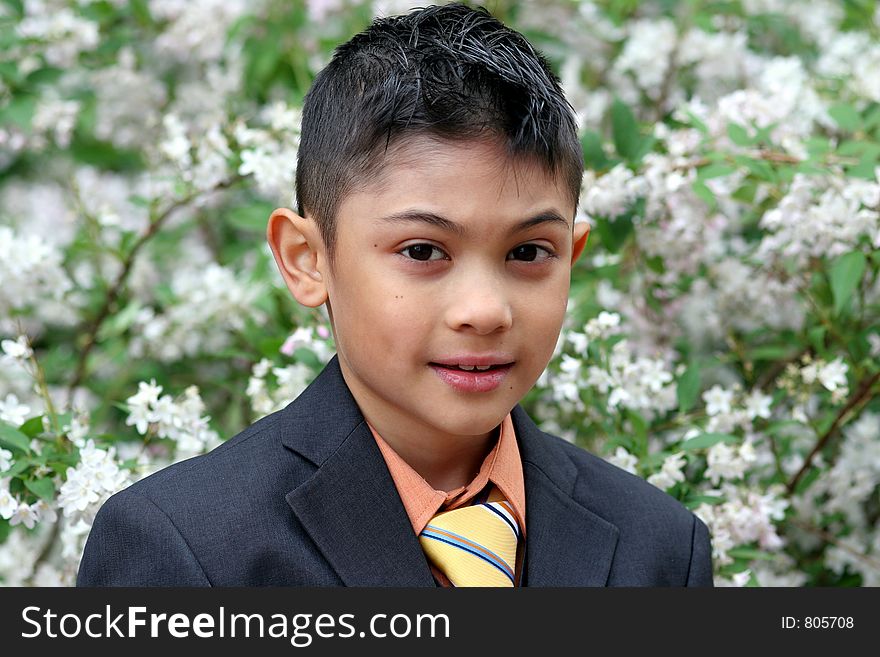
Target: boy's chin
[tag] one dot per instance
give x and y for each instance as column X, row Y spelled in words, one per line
column 475, row 423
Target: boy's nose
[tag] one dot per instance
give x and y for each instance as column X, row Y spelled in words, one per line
column 482, row 306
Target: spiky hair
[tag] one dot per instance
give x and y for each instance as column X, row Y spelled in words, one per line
column 450, row 72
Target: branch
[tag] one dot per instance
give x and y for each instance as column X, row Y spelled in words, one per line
column 830, row 538
column 116, row 289
column 862, row 394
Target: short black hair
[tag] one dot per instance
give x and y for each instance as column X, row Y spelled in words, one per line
column 450, row 72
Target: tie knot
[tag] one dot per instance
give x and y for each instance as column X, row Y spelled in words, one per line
column 474, row 545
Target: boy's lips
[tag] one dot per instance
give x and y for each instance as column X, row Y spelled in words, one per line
column 475, row 360
column 472, row 380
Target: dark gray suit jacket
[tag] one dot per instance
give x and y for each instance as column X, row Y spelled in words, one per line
column 303, row 497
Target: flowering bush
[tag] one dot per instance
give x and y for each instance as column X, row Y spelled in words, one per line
column 723, row 334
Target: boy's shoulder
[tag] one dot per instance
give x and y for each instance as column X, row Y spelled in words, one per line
column 260, row 454
column 614, row 493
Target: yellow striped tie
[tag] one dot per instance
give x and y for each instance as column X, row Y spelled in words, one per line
column 474, row 545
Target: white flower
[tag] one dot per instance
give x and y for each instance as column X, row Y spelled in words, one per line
column 725, row 462
column 809, row 372
column 5, row 459
column 139, row 416
column 261, row 369
column 603, row 326
column 93, row 480
column 623, row 459
column 44, row 511
column 18, row 348
column 670, row 473
column 833, row 374
column 758, row 404
column 24, row 515
column 611, row 194
column 177, row 145
column 736, row 580
column 717, row 400
column 578, row 341
column 148, row 393
column 8, row 504
column 13, row 412
column 165, row 413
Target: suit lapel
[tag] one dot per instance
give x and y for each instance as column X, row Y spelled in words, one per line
column 353, row 512
column 566, row 543
column 350, row 507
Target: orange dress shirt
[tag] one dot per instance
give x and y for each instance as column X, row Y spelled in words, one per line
column 502, row 466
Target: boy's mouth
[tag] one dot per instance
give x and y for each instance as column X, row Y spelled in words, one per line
column 475, row 361
column 473, row 368
column 465, row 378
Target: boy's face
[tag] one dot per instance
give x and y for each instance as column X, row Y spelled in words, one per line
column 407, row 294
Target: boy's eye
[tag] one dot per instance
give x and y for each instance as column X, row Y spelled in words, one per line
column 530, row 251
column 422, row 252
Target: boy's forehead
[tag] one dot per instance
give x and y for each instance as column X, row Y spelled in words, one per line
column 471, row 189
column 457, row 161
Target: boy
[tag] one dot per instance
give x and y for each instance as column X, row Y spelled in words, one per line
column 438, row 176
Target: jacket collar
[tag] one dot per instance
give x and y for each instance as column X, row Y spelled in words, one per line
column 352, row 510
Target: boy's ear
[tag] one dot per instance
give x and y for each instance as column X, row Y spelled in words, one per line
column 295, row 243
column 579, row 239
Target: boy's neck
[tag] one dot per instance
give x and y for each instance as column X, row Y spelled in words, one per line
column 453, row 465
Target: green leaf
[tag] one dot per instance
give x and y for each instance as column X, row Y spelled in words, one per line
column 653, row 461
column 32, row 427
column 656, row 264
column 639, row 424
column 18, row 467
column 845, row 275
column 594, row 155
column 771, row 352
column 817, row 145
column 864, row 169
column 746, row 193
column 816, row 336
column 141, row 11
column 19, row 111
column 697, row 500
column 780, row 427
column 807, row 480
column 42, row 488
column 105, row 155
column 697, row 123
column 5, row 530
column 688, row 388
column 253, row 217
column 845, row 116
column 758, row 168
column 48, row 75
column 12, row 437
column 738, row 135
column 307, row 357
column 645, row 145
column 704, row 193
column 119, row 323
column 749, row 553
column 614, row 234
column 707, row 440
column 715, row 170
column 872, row 118
column 858, row 148
column 625, row 131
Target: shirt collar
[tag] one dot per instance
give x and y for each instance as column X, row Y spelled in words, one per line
column 502, row 466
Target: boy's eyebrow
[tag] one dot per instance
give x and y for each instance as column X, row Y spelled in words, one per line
column 424, row 216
